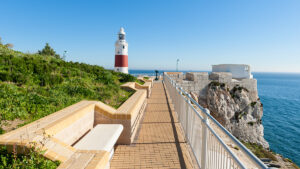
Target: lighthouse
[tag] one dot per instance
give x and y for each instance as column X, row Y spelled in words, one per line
column 121, row 53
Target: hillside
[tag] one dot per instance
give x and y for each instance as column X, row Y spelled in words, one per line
column 35, row 85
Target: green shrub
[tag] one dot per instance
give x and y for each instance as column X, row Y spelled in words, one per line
column 31, row 160
column 48, row 51
column 253, row 104
column 126, row 78
column 140, row 81
column 251, row 123
column 259, row 151
column 214, row 83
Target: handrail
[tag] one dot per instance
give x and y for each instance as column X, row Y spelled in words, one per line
column 246, row 150
column 188, row 99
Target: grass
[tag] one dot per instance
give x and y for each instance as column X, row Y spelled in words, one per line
column 259, row 151
column 293, row 164
column 140, row 81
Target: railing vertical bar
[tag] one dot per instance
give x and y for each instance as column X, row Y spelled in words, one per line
column 209, row 152
column 214, row 152
column 218, row 156
column 227, row 160
column 215, row 147
column 222, row 157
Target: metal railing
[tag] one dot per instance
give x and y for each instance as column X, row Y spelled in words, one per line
column 209, row 149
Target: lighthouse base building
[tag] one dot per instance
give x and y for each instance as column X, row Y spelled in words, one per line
column 121, row 53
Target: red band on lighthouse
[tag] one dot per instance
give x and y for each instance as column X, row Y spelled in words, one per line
column 121, row 61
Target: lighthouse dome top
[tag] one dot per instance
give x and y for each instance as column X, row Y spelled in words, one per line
column 122, row 31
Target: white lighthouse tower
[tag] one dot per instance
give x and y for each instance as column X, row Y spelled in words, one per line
column 121, row 53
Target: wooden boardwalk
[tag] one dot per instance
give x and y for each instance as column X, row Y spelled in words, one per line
column 160, row 142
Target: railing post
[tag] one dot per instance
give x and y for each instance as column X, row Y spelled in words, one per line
column 187, row 115
column 180, row 99
column 204, row 141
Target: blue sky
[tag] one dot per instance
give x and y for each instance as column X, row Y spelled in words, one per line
column 262, row 33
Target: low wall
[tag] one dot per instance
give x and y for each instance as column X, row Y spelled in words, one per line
column 57, row 132
column 197, row 82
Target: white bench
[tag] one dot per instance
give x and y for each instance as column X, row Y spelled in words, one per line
column 101, row 137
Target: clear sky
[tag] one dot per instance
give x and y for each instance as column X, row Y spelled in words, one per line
column 262, row 33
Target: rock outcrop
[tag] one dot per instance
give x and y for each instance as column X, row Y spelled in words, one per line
column 237, row 111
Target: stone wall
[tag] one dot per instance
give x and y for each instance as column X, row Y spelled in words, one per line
column 197, row 82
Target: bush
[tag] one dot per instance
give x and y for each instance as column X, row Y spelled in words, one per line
column 253, row 104
column 259, row 151
column 48, row 51
column 140, row 82
column 31, row 160
column 126, row 78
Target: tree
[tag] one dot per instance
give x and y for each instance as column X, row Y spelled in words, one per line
column 8, row 45
column 48, row 51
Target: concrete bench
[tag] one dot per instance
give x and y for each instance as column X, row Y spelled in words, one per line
column 101, row 137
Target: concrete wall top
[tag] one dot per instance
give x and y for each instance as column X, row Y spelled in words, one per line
column 196, row 76
column 239, row 71
column 173, row 73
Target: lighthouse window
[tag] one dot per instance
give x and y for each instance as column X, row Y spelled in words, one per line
column 121, row 37
column 123, row 47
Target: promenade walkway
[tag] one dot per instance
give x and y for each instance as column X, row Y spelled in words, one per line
column 160, row 142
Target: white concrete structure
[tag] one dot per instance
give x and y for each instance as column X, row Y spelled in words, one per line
column 238, row 71
column 121, row 53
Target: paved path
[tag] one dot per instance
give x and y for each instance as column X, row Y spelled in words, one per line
column 160, row 142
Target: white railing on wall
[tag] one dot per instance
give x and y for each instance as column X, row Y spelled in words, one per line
column 209, row 149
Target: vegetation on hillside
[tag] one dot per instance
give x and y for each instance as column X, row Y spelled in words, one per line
column 35, row 85
column 260, row 152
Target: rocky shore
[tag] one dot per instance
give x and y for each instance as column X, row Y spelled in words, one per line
column 237, row 111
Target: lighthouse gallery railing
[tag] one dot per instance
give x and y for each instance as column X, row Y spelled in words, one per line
column 209, row 149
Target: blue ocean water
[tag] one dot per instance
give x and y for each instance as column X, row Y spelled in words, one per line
column 280, row 95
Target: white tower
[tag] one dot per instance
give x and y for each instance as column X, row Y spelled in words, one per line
column 121, row 53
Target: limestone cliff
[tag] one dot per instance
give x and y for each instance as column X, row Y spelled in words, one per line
column 237, row 111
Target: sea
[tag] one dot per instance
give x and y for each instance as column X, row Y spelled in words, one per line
column 280, row 95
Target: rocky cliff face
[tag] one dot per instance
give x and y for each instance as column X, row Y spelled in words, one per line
column 237, row 111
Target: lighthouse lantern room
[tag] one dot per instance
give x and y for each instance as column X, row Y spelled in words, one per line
column 121, row 53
